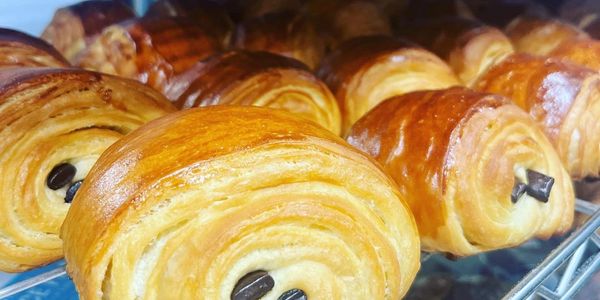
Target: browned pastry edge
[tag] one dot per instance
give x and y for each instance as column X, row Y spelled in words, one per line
column 14, row 36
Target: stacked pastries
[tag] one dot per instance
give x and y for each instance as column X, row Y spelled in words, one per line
column 232, row 200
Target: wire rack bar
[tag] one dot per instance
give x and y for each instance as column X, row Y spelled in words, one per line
column 531, row 283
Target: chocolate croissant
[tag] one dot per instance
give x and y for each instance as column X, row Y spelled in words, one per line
column 54, row 124
column 468, row 46
column 74, row 27
column 151, row 50
column 288, row 33
column 364, row 71
column 18, row 49
column 541, row 35
column 208, row 13
column 563, row 98
column 258, row 79
column 477, row 171
column 255, row 202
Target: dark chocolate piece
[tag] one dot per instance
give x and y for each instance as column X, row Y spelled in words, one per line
column 73, row 188
column 293, row 294
column 253, row 286
column 60, row 176
column 539, row 185
column 519, row 188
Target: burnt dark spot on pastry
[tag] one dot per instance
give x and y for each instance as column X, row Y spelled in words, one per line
column 539, row 185
column 72, row 190
column 293, row 294
column 60, row 176
column 253, row 286
column 519, row 188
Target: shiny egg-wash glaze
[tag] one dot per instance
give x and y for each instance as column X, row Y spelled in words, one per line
column 563, row 98
column 50, row 117
column 288, row 33
column 468, row 46
column 555, row 38
column 258, row 79
column 18, row 49
column 152, row 50
column 455, row 154
column 208, row 13
column 74, row 27
column 189, row 204
column 364, row 71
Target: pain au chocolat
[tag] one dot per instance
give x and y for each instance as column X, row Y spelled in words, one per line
column 563, row 98
column 364, row 71
column 468, row 46
column 152, row 50
column 74, row 27
column 18, row 49
column 288, row 33
column 258, row 79
column 476, row 170
column 54, row 124
column 256, row 202
column 555, row 38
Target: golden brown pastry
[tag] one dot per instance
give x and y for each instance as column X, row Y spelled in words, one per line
column 258, row 79
column 74, row 27
column 541, row 35
column 468, row 46
column 18, row 49
column 583, row 51
column 501, row 12
column 341, row 20
column 288, row 33
column 151, row 50
column 563, row 98
column 364, row 71
column 477, row 171
column 241, row 10
column 208, row 13
column 54, row 124
column 254, row 202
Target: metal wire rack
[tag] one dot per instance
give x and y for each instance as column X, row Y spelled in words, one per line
column 569, row 265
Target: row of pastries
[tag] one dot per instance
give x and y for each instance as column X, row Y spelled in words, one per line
column 288, row 149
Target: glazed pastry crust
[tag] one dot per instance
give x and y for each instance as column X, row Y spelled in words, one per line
column 48, row 117
column 74, row 27
column 258, row 79
column 458, row 177
column 250, row 188
column 540, row 35
column 563, row 98
column 364, row 71
column 152, row 50
column 288, row 33
column 208, row 13
column 18, row 49
column 468, row 46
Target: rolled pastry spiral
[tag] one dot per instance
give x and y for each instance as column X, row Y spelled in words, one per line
column 541, row 35
column 207, row 13
column 563, row 98
column 468, row 46
column 152, row 50
column 250, row 189
column 18, row 49
column 74, row 27
column 456, row 155
column 364, row 71
column 287, row 33
column 259, row 79
column 50, row 118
